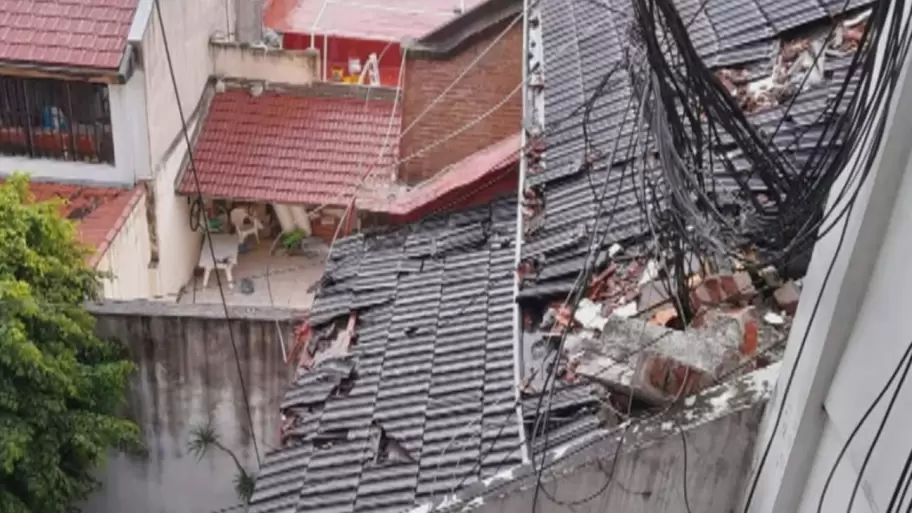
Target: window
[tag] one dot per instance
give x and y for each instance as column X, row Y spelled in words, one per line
column 55, row 119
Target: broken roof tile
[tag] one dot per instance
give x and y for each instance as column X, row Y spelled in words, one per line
column 427, row 367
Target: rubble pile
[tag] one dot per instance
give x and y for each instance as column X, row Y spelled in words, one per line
column 798, row 64
column 624, row 339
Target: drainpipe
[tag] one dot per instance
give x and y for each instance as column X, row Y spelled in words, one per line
column 517, row 311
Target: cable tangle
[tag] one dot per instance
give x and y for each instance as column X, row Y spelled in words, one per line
column 710, row 178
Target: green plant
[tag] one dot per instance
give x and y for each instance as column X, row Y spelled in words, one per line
column 205, row 438
column 292, row 240
column 62, row 388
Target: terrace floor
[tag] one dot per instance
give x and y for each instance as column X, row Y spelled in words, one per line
column 278, row 279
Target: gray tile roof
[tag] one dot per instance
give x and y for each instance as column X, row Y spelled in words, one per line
column 433, row 366
column 739, row 33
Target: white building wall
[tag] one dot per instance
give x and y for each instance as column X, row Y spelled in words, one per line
column 189, row 25
column 126, row 259
column 844, row 347
column 178, row 245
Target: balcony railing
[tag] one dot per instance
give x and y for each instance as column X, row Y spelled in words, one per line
column 55, row 119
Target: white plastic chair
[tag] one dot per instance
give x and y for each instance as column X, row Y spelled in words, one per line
column 245, row 224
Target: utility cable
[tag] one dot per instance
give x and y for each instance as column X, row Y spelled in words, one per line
column 186, row 134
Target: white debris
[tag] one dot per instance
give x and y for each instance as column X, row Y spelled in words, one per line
column 615, row 249
column 774, row 319
column 589, row 314
column 650, row 273
column 627, row 311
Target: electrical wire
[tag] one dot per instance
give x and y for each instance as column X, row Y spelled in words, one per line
column 205, row 223
column 901, row 366
column 884, row 95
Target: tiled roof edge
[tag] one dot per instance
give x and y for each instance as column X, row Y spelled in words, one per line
column 451, row 37
column 137, row 194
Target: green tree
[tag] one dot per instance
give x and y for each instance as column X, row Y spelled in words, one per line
column 62, row 388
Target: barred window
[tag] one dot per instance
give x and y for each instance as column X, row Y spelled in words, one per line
column 55, row 119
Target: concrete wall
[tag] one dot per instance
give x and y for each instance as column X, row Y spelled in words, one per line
column 186, row 376
column 237, row 60
column 719, row 428
column 494, row 79
column 127, row 257
column 848, row 336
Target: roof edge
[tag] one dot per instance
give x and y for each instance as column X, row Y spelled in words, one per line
column 23, row 69
column 454, row 35
column 752, row 390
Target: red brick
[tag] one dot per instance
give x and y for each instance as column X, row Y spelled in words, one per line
column 495, row 76
column 672, row 378
column 749, row 325
column 722, row 288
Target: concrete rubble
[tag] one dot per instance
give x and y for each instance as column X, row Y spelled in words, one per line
column 624, row 338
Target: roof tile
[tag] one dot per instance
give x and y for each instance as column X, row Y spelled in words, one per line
column 99, row 212
column 81, row 33
column 289, row 148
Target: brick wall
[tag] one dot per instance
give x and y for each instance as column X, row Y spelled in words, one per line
column 483, row 87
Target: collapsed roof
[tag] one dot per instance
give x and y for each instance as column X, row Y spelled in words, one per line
column 405, row 386
column 409, row 389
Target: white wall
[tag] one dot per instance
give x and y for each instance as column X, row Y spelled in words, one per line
column 843, row 348
column 189, row 25
column 127, row 257
column 178, row 245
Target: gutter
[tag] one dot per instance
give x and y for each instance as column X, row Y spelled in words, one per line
column 518, row 243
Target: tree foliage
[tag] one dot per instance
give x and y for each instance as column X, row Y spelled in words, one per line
column 62, row 388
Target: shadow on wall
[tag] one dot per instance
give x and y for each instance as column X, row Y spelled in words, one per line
column 187, row 376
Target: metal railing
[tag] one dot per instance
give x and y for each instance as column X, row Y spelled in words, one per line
column 55, row 119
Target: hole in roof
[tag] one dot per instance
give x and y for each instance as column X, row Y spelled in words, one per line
column 347, row 384
column 329, row 438
column 388, row 449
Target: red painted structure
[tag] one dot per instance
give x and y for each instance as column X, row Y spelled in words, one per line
column 357, row 28
column 341, row 49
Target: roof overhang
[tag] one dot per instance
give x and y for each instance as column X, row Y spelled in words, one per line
column 119, row 75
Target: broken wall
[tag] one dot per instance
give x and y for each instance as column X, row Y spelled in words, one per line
column 187, row 375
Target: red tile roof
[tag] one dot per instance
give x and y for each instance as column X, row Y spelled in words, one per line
column 470, row 171
column 99, row 212
column 287, row 148
column 385, row 20
column 80, row 33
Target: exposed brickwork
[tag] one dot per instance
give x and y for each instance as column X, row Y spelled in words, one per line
column 483, row 87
